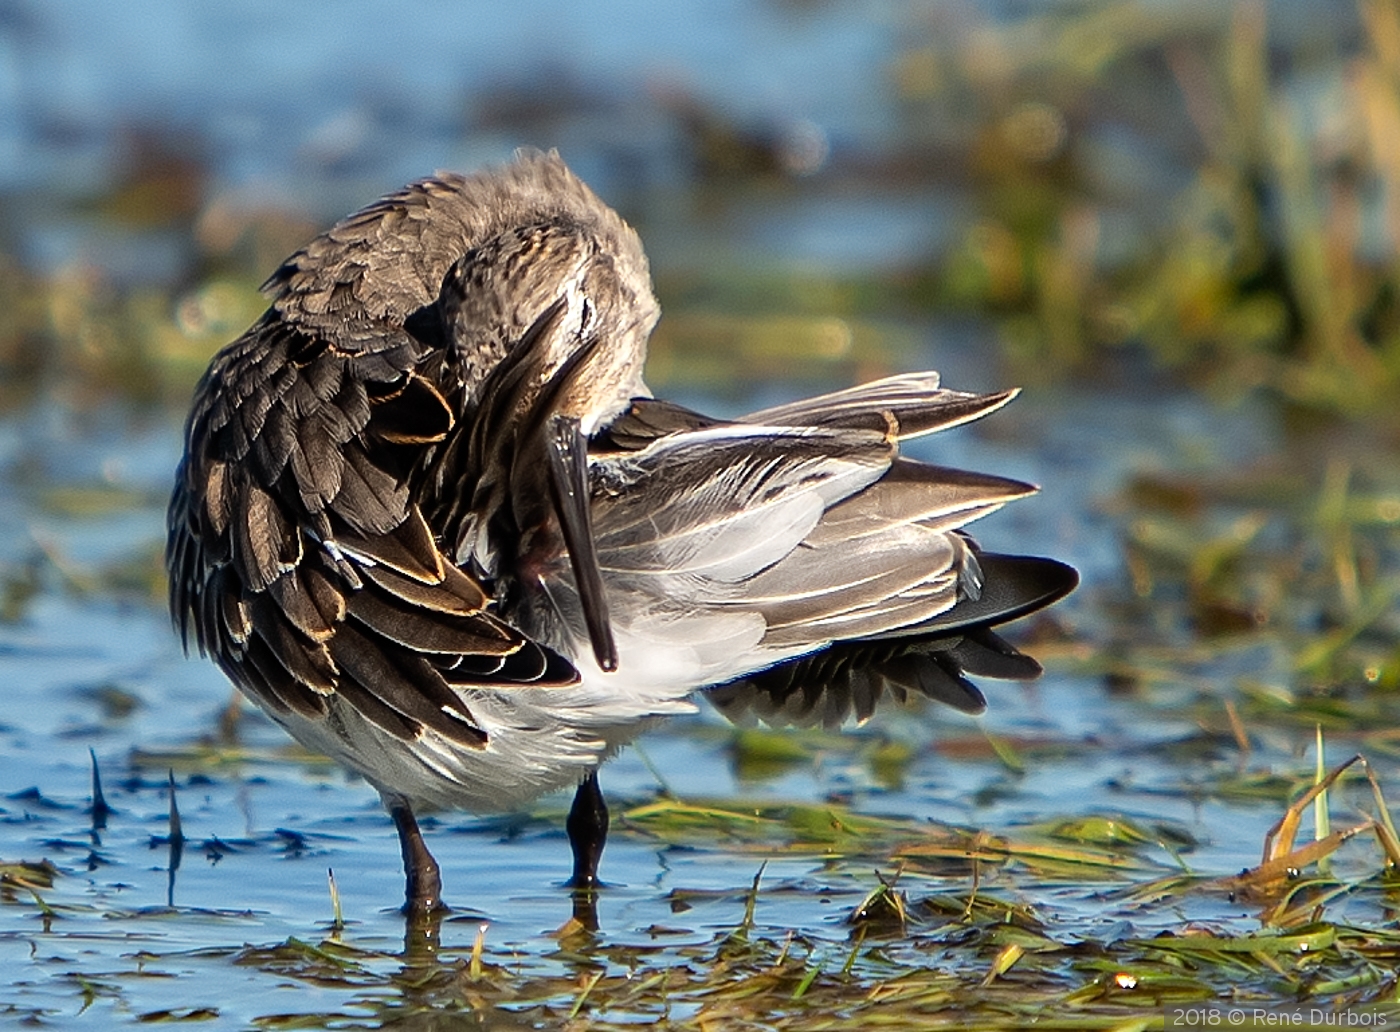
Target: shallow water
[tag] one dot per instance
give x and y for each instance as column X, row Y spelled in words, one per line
column 90, row 667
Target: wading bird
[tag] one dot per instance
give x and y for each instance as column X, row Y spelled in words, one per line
column 431, row 519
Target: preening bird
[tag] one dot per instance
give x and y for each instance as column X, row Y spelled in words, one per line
column 431, row 519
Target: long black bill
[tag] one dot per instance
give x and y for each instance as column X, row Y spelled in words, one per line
column 568, row 478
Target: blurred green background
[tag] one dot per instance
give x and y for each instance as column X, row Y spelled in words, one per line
column 1174, row 221
column 1207, row 188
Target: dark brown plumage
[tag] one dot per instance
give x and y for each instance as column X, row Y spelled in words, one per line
column 430, row 518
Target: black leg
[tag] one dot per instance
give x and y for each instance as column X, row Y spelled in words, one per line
column 422, row 879
column 588, row 832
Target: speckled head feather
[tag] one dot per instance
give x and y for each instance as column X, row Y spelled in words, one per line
column 365, row 275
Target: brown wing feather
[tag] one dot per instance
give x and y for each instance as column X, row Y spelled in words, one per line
column 929, row 660
column 297, row 558
column 296, row 549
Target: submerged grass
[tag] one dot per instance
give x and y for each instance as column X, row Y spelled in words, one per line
column 937, row 962
column 941, row 927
